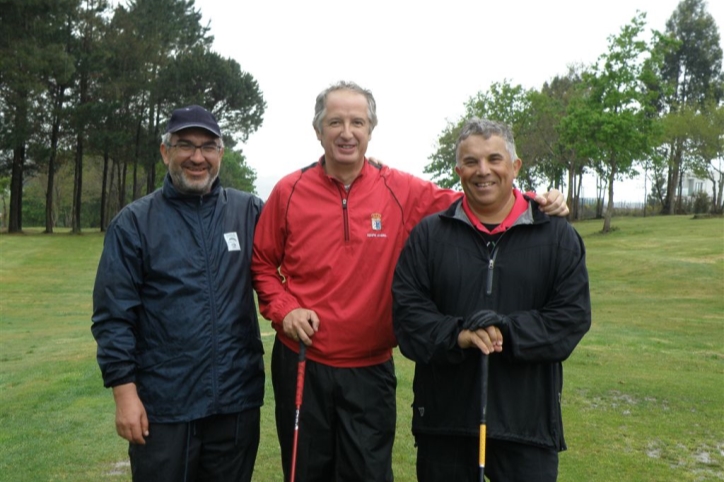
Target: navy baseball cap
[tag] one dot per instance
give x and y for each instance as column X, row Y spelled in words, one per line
column 193, row 116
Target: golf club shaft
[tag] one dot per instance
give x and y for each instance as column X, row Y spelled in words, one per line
column 301, row 365
column 483, row 410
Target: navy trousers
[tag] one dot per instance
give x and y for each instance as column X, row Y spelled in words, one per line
column 220, row 448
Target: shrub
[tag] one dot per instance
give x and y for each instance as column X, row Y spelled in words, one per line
column 702, row 203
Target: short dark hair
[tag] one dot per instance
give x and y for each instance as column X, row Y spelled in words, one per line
column 487, row 128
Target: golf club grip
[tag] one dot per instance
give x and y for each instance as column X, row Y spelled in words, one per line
column 300, row 382
column 483, row 413
column 301, row 368
column 481, row 454
column 483, row 388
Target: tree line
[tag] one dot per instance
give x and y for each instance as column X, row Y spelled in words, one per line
column 85, row 88
column 85, row 82
column 645, row 104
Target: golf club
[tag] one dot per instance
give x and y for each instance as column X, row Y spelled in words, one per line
column 298, row 401
column 483, row 409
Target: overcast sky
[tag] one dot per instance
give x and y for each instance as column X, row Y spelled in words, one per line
column 422, row 60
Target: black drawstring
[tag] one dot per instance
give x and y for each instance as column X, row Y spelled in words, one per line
column 188, row 448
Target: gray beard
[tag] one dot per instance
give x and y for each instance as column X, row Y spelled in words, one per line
column 179, row 182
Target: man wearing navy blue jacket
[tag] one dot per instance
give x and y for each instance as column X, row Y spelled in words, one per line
column 175, row 320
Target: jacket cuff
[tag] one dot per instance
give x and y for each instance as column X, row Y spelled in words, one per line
column 285, row 307
column 120, row 381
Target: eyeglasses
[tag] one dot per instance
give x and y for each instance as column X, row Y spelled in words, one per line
column 187, row 148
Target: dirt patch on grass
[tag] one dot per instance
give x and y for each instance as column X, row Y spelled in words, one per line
column 120, row 468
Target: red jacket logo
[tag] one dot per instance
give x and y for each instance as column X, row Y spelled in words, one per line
column 376, row 221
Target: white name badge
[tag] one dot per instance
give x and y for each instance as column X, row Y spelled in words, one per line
column 232, row 241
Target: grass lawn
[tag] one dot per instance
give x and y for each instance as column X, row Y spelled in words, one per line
column 643, row 397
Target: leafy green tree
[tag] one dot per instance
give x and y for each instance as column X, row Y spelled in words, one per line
column 80, row 85
column 680, row 128
column 503, row 102
column 693, row 72
column 118, row 134
column 540, row 140
column 163, row 29
column 205, row 78
column 707, row 139
column 656, row 172
column 89, row 54
column 29, row 53
column 155, row 69
column 236, row 173
column 58, row 82
column 612, row 123
column 442, row 161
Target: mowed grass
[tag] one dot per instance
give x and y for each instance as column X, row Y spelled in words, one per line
column 643, row 397
column 644, row 391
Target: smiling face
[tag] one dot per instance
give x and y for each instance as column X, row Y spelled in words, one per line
column 487, row 173
column 192, row 172
column 345, row 129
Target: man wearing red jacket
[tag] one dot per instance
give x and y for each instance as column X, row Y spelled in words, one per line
column 325, row 249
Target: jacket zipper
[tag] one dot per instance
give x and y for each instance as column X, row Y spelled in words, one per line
column 344, row 195
column 491, row 267
column 491, row 261
column 346, row 219
column 212, row 306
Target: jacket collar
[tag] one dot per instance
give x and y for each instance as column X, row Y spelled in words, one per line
column 364, row 172
column 525, row 211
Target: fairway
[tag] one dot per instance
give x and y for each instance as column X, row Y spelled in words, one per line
column 643, row 398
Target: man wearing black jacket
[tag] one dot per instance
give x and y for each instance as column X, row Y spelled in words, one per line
column 490, row 276
column 175, row 319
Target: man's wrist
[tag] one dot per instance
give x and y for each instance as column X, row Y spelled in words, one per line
column 124, row 390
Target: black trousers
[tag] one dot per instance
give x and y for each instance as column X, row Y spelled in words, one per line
column 446, row 458
column 346, row 424
column 221, row 448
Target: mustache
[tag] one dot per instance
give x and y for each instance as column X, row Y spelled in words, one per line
column 191, row 164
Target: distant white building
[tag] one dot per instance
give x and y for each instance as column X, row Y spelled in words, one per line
column 691, row 185
column 636, row 189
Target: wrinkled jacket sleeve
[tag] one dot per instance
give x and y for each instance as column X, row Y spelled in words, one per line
column 269, row 243
column 551, row 333
column 423, row 333
column 422, row 198
column 116, row 301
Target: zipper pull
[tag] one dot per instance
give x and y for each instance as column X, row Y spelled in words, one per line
column 491, row 265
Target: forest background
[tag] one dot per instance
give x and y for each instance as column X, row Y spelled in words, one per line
column 86, row 88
